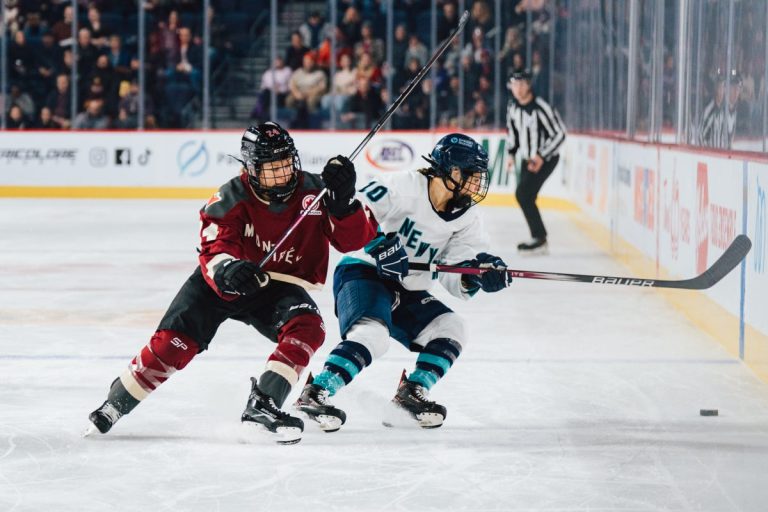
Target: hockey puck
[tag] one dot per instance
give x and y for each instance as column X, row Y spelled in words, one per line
column 708, row 412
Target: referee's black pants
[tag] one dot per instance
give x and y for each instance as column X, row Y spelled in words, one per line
column 528, row 190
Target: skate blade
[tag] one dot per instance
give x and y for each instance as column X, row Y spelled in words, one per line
column 326, row 422
column 539, row 251
column 258, row 433
column 430, row 420
column 89, row 431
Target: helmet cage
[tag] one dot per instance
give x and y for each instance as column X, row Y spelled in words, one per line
column 269, row 142
column 459, row 152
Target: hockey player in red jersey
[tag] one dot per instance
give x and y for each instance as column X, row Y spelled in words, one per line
column 239, row 226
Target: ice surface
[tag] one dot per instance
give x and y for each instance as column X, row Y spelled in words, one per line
column 569, row 397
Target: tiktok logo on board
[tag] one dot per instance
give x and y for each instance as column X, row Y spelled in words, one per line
column 760, row 231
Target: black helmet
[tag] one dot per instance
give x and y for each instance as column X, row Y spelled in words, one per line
column 264, row 143
column 458, row 151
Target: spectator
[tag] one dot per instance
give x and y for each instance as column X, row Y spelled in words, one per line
column 129, row 102
column 33, row 30
column 189, row 60
column 294, row 54
column 416, row 50
column 452, row 59
column 93, row 118
column 344, row 85
column 307, row 86
column 405, row 76
column 108, row 81
column 448, row 104
column 368, row 69
column 351, row 24
column 513, row 43
column 447, row 21
column 60, row 101
column 399, row 47
column 365, row 106
column 277, row 78
column 86, row 52
column 166, row 39
column 62, row 29
column 314, row 30
column 125, row 121
column 99, row 33
column 23, row 100
column 21, row 60
column 323, row 57
column 368, row 44
column 480, row 16
column 477, row 46
column 47, row 59
column 15, row 119
column 118, row 57
column 45, row 120
column 479, row 118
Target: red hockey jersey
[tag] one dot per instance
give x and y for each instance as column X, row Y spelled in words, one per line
column 235, row 223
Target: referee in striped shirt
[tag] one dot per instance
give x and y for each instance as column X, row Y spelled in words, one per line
column 536, row 134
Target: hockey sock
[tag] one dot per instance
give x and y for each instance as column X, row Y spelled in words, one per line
column 436, row 358
column 297, row 342
column 165, row 353
column 343, row 364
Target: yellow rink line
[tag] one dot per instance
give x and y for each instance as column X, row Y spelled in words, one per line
column 703, row 312
column 549, row 203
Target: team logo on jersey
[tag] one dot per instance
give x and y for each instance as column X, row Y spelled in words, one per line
column 215, row 198
column 308, row 201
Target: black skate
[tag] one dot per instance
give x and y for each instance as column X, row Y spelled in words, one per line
column 533, row 246
column 261, row 412
column 313, row 402
column 103, row 418
column 412, row 398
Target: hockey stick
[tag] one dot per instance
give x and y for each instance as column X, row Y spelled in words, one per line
column 379, row 124
column 732, row 256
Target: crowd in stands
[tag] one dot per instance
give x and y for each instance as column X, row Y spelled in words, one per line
column 357, row 94
column 40, row 60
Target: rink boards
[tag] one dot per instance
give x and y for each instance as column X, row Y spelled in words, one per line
column 191, row 164
column 672, row 212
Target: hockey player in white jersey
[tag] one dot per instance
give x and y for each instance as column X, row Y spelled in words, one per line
column 427, row 217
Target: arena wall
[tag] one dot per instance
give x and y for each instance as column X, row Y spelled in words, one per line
column 671, row 212
column 192, row 164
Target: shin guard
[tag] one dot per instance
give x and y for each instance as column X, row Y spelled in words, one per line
column 165, row 353
column 297, row 342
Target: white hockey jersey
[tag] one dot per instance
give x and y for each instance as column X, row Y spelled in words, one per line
column 400, row 203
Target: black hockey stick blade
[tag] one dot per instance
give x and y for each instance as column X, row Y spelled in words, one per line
column 731, row 258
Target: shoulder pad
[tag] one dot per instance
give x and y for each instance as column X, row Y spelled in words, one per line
column 312, row 181
column 228, row 195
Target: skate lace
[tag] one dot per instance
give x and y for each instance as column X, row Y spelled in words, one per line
column 322, row 396
column 269, row 403
column 111, row 412
column 420, row 394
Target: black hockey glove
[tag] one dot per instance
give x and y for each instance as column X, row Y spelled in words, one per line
column 391, row 258
column 339, row 176
column 240, row 277
column 489, row 281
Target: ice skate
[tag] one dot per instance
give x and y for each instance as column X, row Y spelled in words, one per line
column 102, row 419
column 412, row 398
column 533, row 246
column 261, row 413
column 313, row 402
